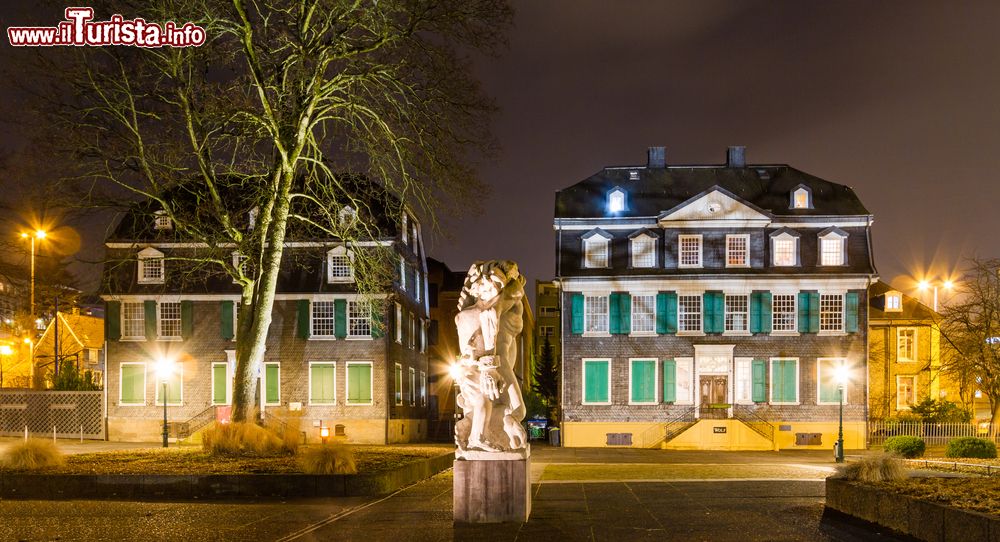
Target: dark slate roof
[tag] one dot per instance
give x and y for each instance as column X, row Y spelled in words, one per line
column 767, row 187
column 912, row 308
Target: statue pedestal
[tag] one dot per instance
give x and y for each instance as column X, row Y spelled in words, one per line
column 492, row 490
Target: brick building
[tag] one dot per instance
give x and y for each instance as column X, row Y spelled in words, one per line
column 328, row 355
column 547, row 317
column 711, row 306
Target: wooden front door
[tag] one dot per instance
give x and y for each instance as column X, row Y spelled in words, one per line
column 714, row 390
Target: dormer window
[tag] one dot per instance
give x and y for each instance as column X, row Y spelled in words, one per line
column 643, row 248
column 252, row 217
column 596, row 250
column 893, row 302
column 340, row 265
column 801, row 198
column 633, row 175
column 616, row 200
column 239, row 265
column 785, row 248
column 405, row 229
column 162, row 221
column 150, row 269
column 347, row 216
column 832, row 247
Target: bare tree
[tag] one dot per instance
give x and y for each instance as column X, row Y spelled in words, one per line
column 278, row 115
column 971, row 324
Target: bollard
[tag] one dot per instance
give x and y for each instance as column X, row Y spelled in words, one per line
column 25, row 433
column 53, row 434
column 81, row 434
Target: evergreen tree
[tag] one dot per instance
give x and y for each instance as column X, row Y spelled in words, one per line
column 547, row 379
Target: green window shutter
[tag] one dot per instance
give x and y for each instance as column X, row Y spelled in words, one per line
column 595, row 377
column 755, row 313
column 708, row 312
column 219, row 383
column 614, row 313
column 378, row 330
column 303, row 319
column 776, row 381
column 359, row 384
column 321, row 383
column 226, row 318
column 765, row 312
column 828, row 387
column 132, row 383
column 340, row 318
column 625, row 313
column 851, row 312
column 661, row 313
column 272, row 378
column 187, row 319
column 174, row 385
column 671, row 312
column 758, row 377
column 149, row 307
column 669, row 381
column 813, row 312
column 113, row 321
column 789, row 384
column 714, row 309
column 643, row 381
column 803, row 312
column 576, row 314
column 720, row 312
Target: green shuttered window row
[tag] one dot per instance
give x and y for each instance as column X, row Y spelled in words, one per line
column 784, row 381
column 322, row 383
column 359, row 383
column 133, row 384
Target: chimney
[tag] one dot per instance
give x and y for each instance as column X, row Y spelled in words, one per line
column 657, row 157
column 737, row 156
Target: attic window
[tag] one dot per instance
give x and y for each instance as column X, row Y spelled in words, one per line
column 339, row 265
column 801, row 198
column 162, row 221
column 616, row 201
column 347, row 216
column 150, row 269
column 893, row 302
column 633, row 175
column 252, row 217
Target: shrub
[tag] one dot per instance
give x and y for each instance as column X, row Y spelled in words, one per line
column 905, row 446
column 288, row 430
column 33, row 454
column 241, row 439
column 974, row 447
column 328, row 459
column 874, row 468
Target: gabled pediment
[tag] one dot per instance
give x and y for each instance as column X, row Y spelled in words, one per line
column 715, row 204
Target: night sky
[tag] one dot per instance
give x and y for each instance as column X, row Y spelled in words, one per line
column 897, row 99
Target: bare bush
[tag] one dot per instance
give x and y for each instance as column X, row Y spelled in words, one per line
column 874, row 468
column 328, row 459
column 33, row 454
column 241, row 439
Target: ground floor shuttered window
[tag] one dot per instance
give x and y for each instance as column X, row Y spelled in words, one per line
column 175, row 387
column 359, row 383
column 272, row 383
column 133, row 384
column 784, row 381
column 596, row 385
column 322, row 383
column 829, row 388
column 643, row 379
column 220, row 384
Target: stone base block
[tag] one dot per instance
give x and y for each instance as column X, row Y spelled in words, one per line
column 492, row 491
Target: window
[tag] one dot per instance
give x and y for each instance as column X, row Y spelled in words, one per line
column 239, row 265
column 689, row 250
column 413, row 387
column 347, row 217
column 132, row 386
column 906, row 392
column 906, row 344
column 418, row 285
column 643, row 314
column 801, row 198
column 133, row 321
column 323, row 319
column 252, row 218
column 359, row 383
column 339, row 265
column 272, row 383
column 222, row 389
column 595, row 250
column 595, row 314
column 784, row 250
column 685, row 370
column 737, row 312
column 322, row 383
column 168, row 322
column 616, row 201
column 402, row 275
column 546, row 331
column 162, row 221
column 893, row 302
column 150, row 266
column 783, row 313
column 398, row 328
column 398, row 389
column 831, row 312
column 832, row 250
column 743, row 382
column 423, row 336
column 423, row 389
column 737, row 251
column 175, row 387
column 829, row 387
column 644, row 251
column 785, row 381
column 359, row 319
column 548, row 311
column 642, row 381
column 597, row 381
column 689, row 313
column 404, row 229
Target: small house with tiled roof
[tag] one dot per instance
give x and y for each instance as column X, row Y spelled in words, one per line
column 81, row 340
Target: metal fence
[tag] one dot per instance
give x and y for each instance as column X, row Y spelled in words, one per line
column 70, row 414
column 932, row 433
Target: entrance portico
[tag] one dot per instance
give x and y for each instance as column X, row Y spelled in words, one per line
column 713, row 380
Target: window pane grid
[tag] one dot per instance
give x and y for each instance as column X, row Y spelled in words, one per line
column 784, row 252
column 689, row 313
column 643, row 313
column 643, row 252
column 831, row 312
column 340, row 266
column 596, row 313
column 905, row 346
column 152, row 269
column 690, row 250
column 736, row 312
column 359, row 318
column 169, row 320
column 832, row 251
column 783, row 311
column 133, row 320
column 906, row 391
column 323, row 324
column 596, row 252
column 737, row 250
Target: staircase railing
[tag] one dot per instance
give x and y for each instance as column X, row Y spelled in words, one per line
column 668, row 430
column 750, row 418
column 197, row 421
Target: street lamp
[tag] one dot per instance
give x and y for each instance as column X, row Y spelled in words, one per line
column 923, row 285
column 164, row 368
column 840, row 375
column 37, row 234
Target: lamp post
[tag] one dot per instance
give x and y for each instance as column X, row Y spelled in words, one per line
column 38, row 234
column 841, row 376
column 925, row 284
column 164, row 368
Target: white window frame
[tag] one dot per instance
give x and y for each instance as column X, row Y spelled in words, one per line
column 684, row 366
column 583, row 381
column 339, row 252
column 656, row 381
column 142, row 326
column 402, row 275
column 405, row 230
column 783, row 237
column 548, row 311
column 229, row 384
column 121, row 376
column 334, row 401
column 643, row 257
column 160, row 335
column 652, row 314
column 398, row 328
column 239, row 264
column 913, row 391
column 726, row 313
column 795, row 198
column 842, row 316
column 913, row 345
column 350, row 317
column 263, row 382
column 743, row 381
column 680, row 251
column 143, row 259
column 819, row 376
column 346, row 217
column 397, row 384
column 607, row 315
column 745, row 237
column 798, row 381
column 178, row 369
column 413, row 386
column 423, row 335
column 794, row 313
column 681, row 329
column 841, row 252
column 161, row 221
column 592, row 259
column 546, row 331
column 616, row 201
column 347, row 382
column 332, row 318
column 893, row 307
column 423, row 389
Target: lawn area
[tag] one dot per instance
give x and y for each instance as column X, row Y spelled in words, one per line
column 192, row 460
column 646, row 471
column 974, row 493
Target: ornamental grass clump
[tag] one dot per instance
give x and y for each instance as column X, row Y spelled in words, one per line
column 874, row 468
column 328, row 459
column 246, row 439
column 33, row 454
column 905, row 446
column 972, row 447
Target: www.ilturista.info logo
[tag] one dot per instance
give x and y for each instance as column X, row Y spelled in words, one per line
column 79, row 29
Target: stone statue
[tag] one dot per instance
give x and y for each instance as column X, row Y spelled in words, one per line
column 489, row 323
